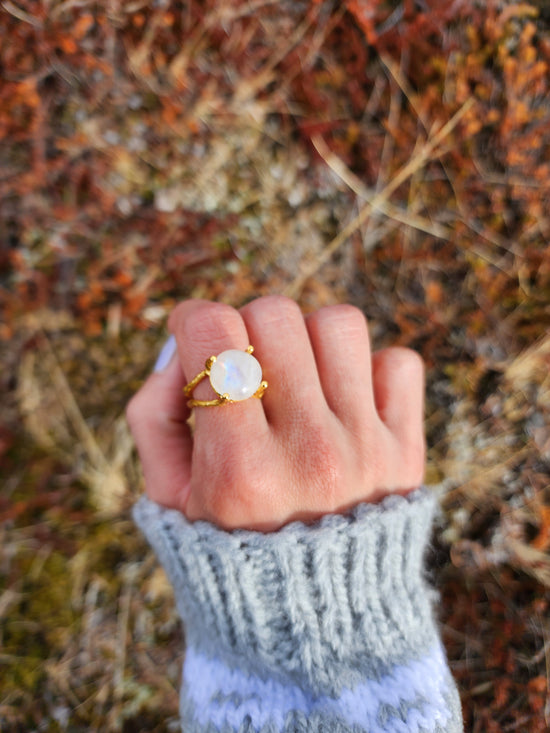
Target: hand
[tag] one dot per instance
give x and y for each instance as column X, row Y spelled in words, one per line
column 335, row 427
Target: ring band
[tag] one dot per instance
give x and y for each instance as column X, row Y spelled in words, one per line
column 234, row 375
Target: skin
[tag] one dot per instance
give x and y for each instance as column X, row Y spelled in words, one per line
column 337, row 425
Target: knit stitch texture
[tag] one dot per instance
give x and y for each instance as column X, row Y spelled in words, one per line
column 327, row 627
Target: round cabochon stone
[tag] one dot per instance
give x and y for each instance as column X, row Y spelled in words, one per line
column 237, row 374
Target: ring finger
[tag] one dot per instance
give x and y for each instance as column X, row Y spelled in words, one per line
column 204, row 329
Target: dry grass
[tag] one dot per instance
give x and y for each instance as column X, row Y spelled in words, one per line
column 148, row 155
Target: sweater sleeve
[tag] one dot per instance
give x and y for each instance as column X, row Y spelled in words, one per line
column 324, row 627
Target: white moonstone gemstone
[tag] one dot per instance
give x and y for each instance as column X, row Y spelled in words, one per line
column 236, row 373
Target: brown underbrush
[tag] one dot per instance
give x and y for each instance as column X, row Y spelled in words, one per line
column 389, row 153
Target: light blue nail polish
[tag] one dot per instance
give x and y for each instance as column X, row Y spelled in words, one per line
column 166, row 354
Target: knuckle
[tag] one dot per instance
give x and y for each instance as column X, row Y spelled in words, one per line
column 208, row 321
column 414, row 461
column 275, row 309
column 203, row 324
column 321, row 468
column 230, row 507
column 216, row 506
column 276, row 302
column 375, row 462
column 234, row 483
column 134, row 410
column 403, row 359
column 402, row 461
column 346, row 313
column 341, row 316
column 380, row 456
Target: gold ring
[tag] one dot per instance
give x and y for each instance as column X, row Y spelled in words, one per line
column 234, row 375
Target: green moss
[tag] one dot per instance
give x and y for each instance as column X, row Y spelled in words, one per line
column 45, row 620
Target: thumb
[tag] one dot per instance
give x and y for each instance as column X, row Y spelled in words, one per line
column 157, row 416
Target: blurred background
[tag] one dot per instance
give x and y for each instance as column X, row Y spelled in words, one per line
column 388, row 153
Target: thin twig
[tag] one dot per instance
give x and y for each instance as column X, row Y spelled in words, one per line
column 71, row 407
column 122, row 641
column 21, row 14
column 385, row 207
column 430, row 150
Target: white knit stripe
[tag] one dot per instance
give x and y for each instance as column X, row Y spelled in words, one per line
column 224, row 697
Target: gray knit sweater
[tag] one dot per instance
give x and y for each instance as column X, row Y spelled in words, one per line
column 326, row 628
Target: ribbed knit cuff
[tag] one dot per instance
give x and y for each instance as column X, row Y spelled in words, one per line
column 309, row 629
column 322, row 606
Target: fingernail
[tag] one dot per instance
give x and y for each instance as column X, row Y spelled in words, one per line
column 166, row 354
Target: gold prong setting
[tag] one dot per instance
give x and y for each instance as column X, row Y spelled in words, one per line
column 235, row 376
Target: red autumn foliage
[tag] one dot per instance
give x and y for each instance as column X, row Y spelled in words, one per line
column 109, row 116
